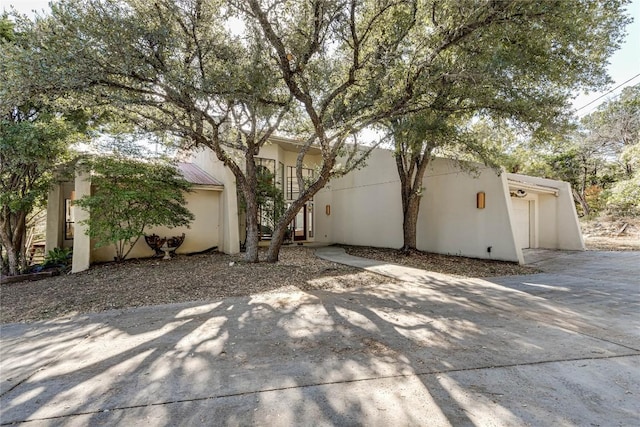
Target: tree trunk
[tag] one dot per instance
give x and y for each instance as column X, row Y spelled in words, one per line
column 411, row 171
column 13, row 259
column 410, row 222
column 281, row 229
column 12, row 237
column 249, row 190
column 579, row 198
column 253, row 235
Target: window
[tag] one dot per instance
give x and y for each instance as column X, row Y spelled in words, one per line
column 310, row 219
column 266, row 165
column 293, row 190
column 267, row 182
column 68, row 219
column 281, row 176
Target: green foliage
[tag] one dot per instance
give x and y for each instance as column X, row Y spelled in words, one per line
column 128, row 197
column 58, row 256
column 30, row 150
column 269, row 198
column 34, row 141
column 6, row 29
column 624, row 197
column 32, row 145
column 323, row 68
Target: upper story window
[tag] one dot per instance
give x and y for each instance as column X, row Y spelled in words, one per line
column 266, row 169
column 293, row 190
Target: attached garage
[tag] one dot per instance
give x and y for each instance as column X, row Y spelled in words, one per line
column 543, row 214
column 522, row 221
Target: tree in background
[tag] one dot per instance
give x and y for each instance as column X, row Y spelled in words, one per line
column 510, row 62
column 129, row 196
column 623, row 199
column 615, row 129
column 599, row 156
column 227, row 75
column 34, row 140
column 32, row 145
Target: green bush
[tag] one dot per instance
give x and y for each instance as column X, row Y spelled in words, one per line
column 58, row 256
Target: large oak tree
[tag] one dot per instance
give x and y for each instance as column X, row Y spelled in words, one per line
column 228, row 74
column 516, row 62
column 34, row 140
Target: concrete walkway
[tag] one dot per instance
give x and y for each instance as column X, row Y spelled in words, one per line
column 555, row 348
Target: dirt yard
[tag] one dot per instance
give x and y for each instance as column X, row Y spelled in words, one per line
column 611, row 234
column 203, row 277
column 208, row 276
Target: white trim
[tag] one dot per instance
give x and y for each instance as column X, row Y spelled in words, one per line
column 207, row 187
column 515, row 185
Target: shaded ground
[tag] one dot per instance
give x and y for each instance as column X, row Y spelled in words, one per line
column 144, row 282
column 446, row 264
column 558, row 348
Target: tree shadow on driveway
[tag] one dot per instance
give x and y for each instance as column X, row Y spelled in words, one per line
column 390, row 354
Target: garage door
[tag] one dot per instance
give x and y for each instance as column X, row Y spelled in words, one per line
column 521, row 221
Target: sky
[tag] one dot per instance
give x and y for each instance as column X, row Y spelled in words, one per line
column 624, row 64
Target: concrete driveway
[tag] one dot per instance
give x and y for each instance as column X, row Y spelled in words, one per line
column 557, row 348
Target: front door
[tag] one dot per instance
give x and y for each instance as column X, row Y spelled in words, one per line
column 300, row 224
column 522, row 221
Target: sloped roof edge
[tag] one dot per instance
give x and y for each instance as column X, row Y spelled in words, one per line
column 195, row 175
column 536, row 188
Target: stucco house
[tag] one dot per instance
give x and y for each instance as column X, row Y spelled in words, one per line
column 481, row 215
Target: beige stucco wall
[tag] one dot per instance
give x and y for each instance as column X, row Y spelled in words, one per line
column 81, row 241
column 366, row 209
column 56, row 216
column 558, row 224
column 450, row 222
column 228, row 234
column 204, row 231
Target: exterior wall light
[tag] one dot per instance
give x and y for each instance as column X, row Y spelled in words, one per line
column 480, row 200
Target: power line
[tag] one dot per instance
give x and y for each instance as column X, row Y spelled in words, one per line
column 607, row 93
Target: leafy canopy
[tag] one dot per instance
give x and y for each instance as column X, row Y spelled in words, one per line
column 131, row 196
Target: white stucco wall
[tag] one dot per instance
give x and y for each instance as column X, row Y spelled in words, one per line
column 366, row 209
column 229, row 237
column 323, row 222
column 450, row 222
column 204, row 231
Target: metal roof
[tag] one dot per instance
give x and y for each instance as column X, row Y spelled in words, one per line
column 197, row 176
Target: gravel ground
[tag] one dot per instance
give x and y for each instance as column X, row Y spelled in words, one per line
column 447, row 264
column 204, row 277
column 612, row 234
column 143, row 282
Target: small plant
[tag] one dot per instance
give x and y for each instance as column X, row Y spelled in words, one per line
column 58, row 257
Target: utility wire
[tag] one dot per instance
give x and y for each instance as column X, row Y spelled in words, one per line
column 607, row 93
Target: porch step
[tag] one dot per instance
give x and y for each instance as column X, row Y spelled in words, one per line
column 36, row 254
